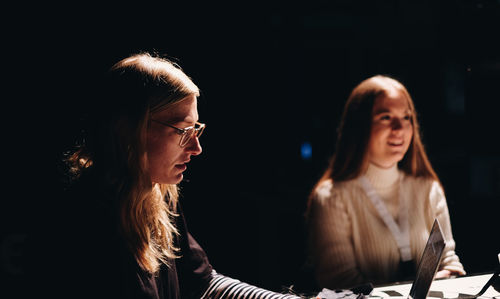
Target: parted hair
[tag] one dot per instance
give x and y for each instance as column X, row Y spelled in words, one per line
column 115, row 151
column 350, row 159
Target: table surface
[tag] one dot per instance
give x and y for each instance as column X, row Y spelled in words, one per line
column 449, row 288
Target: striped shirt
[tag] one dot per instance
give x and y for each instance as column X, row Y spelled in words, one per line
column 221, row 286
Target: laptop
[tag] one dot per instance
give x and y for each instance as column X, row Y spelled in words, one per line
column 429, row 263
column 427, row 267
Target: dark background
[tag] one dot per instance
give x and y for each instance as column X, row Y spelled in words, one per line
column 273, row 76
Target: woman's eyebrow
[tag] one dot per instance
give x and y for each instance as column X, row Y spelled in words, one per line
column 380, row 111
column 385, row 110
column 180, row 119
column 188, row 120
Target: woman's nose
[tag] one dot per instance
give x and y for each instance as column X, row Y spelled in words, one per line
column 194, row 146
column 396, row 124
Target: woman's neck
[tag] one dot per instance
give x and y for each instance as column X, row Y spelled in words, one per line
column 382, row 178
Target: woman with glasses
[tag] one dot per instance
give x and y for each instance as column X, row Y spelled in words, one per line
column 132, row 241
column 370, row 214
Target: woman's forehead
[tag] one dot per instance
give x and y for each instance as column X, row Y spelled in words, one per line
column 391, row 100
column 185, row 110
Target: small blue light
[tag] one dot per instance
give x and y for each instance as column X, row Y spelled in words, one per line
column 306, row 151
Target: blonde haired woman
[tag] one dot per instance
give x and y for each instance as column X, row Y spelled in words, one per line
column 370, row 214
column 131, row 239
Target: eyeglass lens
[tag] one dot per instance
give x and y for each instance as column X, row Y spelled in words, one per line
column 192, row 132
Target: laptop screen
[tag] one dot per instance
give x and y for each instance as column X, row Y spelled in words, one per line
column 429, row 263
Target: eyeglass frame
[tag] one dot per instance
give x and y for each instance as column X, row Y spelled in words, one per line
column 184, row 132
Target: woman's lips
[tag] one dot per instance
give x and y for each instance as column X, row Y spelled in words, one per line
column 181, row 167
column 399, row 143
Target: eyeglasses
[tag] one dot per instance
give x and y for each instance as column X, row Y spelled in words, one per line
column 187, row 133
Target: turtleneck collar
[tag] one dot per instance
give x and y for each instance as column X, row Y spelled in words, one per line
column 382, row 178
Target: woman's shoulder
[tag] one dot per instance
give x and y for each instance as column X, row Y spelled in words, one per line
column 328, row 190
column 419, row 180
column 419, row 183
column 324, row 188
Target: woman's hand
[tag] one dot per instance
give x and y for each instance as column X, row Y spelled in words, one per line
column 443, row 274
column 446, row 274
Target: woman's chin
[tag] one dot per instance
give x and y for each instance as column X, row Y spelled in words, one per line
column 172, row 180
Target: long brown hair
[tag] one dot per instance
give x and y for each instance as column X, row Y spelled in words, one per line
column 350, row 158
column 115, row 151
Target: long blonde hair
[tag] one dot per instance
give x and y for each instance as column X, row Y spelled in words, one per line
column 115, row 151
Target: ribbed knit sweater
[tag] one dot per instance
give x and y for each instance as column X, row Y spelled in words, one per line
column 350, row 244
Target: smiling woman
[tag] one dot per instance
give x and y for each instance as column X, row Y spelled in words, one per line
column 391, row 130
column 370, row 214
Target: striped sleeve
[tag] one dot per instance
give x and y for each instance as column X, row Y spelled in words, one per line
column 221, row 286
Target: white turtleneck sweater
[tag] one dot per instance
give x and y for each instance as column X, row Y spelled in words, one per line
column 350, row 244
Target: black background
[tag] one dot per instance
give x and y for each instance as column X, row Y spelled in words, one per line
column 273, row 75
